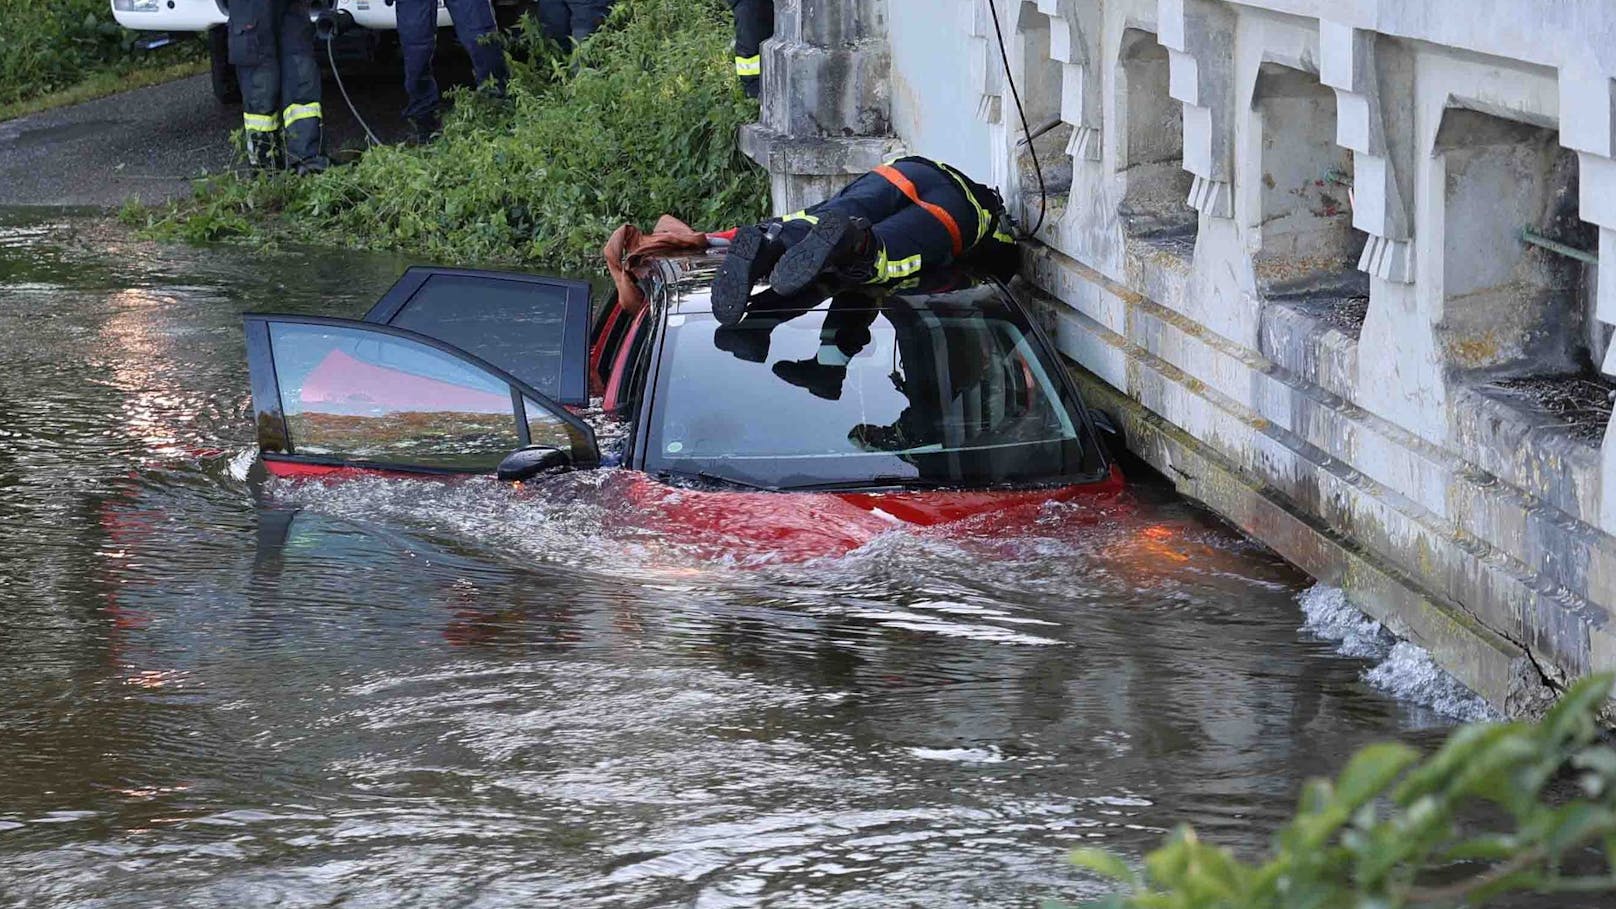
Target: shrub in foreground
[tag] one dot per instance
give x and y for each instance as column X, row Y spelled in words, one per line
column 1393, row 831
column 640, row 120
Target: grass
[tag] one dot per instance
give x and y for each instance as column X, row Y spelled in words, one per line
column 640, row 120
column 55, row 52
column 102, row 84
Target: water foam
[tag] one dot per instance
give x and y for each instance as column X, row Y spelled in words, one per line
column 1402, row 669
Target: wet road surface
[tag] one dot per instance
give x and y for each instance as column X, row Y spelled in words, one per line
column 229, row 692
column 153, row 143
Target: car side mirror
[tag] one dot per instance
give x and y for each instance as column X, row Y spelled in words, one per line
column 529, row 462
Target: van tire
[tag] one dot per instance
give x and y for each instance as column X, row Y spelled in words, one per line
column 226, row 88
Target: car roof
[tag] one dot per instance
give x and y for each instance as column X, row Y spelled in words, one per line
column 682, row 285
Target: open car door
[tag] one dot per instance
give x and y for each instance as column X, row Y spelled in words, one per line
column 340, row 393
column 532, row 326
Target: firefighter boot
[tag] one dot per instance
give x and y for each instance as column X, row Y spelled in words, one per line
column 838, row 245
column 751, row 254
column 820, row 379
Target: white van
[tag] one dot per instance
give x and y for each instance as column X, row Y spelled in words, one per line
column 364, row 25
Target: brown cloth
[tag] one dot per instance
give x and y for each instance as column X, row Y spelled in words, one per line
column 629, row 249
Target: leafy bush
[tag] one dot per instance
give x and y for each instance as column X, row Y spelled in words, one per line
column 640, row 120
column 1391, row 831
column 46, row 45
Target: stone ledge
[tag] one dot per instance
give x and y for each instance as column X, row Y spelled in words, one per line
column 1492, row 666
column 778, row 153
column 1501, row 591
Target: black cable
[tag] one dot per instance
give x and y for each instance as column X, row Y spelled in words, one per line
column 331, row 54
column 1004, row 55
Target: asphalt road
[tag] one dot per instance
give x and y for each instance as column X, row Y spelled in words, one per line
column 151, row 143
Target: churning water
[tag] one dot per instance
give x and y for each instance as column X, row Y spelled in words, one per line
column 223, row 692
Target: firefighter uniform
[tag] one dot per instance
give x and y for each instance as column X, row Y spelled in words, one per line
column 754, row 24
column 418, row 40
column 272, row 46
column 884, row 228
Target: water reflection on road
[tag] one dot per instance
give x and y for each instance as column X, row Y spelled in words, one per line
column 428, row 694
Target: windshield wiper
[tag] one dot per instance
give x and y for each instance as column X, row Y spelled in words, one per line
column 872, row 483
column 718, row 480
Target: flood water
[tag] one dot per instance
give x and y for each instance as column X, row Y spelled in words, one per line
column 226, row 692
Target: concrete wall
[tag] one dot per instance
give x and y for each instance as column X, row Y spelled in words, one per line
column 1285, row 240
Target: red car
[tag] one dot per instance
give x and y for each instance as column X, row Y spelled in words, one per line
column 814, row 424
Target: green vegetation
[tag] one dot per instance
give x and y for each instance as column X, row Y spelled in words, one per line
column 72, row 50
column 639, row 121
column 1391, row 831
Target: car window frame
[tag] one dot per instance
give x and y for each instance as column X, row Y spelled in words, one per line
column 265, row 386
column 1089, row 436
column 573, row 387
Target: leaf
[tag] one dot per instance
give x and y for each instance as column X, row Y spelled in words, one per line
column 1104, row 864
column 1371, row 771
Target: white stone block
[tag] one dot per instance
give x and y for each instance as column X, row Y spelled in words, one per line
column 1597, row 202
column 1183, row 77
column 1211, row 197
column 1587, row 111
column 1198, row 141
column 1389, row 260
column 1339, row 63
column 1072, row 94
column 1085, row 144
column 1606, row 300
column 1353, row 127
column 1170, row 25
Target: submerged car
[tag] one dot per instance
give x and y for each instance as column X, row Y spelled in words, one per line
column 921, row 405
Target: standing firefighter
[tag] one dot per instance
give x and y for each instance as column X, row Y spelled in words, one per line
column 754, row 24
column 272, row 46
column 418, row 38
column 886, row 226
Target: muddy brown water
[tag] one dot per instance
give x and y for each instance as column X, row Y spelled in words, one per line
column 220, row 692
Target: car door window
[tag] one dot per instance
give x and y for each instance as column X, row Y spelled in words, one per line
column 333, row 391
column 531, row 326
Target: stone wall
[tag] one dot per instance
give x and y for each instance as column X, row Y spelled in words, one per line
column 1285, row 238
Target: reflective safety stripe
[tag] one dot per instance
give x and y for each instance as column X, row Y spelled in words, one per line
column 296, row 112
column 1004, row 237
column 262, row 123
column 889, row 270
column 983, row 219
column 908, row 188
column 801, row 216
column 749, row 66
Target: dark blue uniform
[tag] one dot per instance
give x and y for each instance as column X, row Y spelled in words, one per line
column 885, row 227
column 754, row 24
column 571, row 19
column 272, row 46
column 418, row 39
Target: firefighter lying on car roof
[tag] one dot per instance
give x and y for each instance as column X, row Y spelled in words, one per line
column 886, row 226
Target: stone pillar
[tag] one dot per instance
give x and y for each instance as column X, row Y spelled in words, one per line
column 1374, row 85
column 1074, row 41
column 826, row 115
column 1199, row 35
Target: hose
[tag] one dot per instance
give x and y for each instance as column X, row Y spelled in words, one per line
column 1004, row 55
column 331, row 54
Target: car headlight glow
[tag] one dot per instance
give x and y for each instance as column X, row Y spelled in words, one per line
column 135, row 6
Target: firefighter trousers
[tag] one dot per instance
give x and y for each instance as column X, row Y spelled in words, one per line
column 910, row 235
column 418, row 40
column 272, row 46
column 754, row 24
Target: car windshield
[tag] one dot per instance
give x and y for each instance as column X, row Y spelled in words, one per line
column 949, row 390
